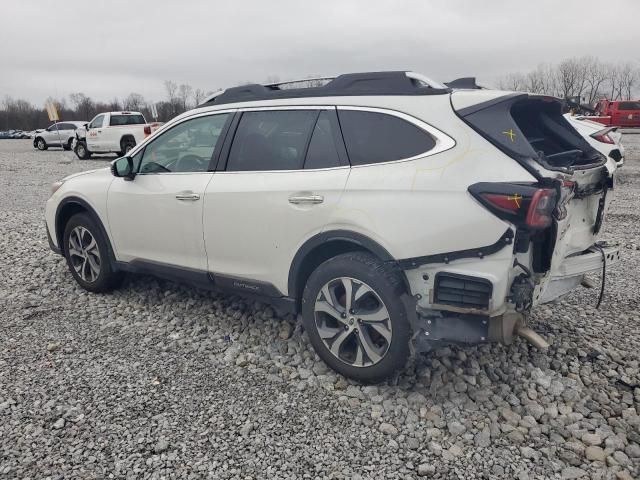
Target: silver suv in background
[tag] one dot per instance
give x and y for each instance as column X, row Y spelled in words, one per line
column 60, row 135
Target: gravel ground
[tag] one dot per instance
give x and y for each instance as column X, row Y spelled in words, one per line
column 162, row 381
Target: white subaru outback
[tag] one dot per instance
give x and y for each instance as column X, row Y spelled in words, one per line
column 394, row 213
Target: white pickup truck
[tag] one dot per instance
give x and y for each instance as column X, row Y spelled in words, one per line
column 112, row 132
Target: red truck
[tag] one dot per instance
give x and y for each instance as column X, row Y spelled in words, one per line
column 618, row 113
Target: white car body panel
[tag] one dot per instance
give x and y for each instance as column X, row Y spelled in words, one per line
column 148, row 222
column 244, row 226
column 253, row 231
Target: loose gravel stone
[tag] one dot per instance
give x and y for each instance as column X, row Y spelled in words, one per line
column 160, row 380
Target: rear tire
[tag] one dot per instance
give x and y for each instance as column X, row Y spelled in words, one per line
column 367, row 337
column 87, row 253
column 67, row 146
column 126, row 145
column 82, row 151
column 41, row 144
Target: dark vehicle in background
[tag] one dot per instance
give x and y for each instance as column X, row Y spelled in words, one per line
column 618, row 113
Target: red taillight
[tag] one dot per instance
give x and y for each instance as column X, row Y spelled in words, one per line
column 603, row 137
column 147, row 130
column 510, row 203
column 540, row 208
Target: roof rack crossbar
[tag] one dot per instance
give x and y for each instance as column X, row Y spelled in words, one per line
column 301, row 80
column 350, row 84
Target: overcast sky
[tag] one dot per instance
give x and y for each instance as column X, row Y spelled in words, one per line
column 109, row 49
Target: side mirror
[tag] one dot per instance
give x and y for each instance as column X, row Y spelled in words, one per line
column 123, row 168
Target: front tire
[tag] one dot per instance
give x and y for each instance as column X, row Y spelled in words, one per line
column 355, row 319
column 82, row 151
column 41, row 144
column 87, row 253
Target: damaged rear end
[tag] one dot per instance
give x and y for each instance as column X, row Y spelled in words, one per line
column 555, row 221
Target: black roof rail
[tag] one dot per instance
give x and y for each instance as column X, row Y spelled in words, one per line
column 468, row 83
column 369, row 83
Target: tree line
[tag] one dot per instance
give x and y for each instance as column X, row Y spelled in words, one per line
column 20, row 114
column 585, row 77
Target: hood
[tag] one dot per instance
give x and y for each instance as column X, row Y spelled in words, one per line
column 79, row 174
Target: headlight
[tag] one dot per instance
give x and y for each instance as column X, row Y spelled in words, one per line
column 55, row 186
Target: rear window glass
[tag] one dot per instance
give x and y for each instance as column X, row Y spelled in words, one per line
column 271, row 140
column 629, row 106
column 373, row 137
column 126, row 120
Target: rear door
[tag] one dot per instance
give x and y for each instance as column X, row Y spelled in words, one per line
column 283, row 179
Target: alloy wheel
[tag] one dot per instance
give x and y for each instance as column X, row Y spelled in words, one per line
column 84, row 254
column 353, row 322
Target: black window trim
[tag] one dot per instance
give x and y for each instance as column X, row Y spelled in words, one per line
column 216, row 151
column 223, row 159
column 443, row 141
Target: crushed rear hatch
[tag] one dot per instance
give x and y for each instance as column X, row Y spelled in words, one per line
column 532, row 130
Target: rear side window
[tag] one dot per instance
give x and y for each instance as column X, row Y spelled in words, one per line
column 373, row 137
column 271, row 140
column 117, row 120
column 322, row 152
column 629, row 106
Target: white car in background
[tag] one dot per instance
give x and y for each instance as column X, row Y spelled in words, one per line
column 57, row 135
column 604, row 139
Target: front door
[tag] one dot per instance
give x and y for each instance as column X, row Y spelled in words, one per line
column 94, row 134
column 157, row 216
column 281, row 185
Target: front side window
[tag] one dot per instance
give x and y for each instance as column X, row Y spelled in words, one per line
column 187, row 147
column 629, row 106
column 97, row 122
column 117, row 120
column 271, row 140
column 372, row 137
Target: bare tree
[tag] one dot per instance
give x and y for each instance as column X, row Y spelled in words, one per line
column 135, row 102
column 171, row 89
column 595, row 76
column 184, row 94
column 512, row 81
column 198, row 96
column 628, row 77
column 84, row 106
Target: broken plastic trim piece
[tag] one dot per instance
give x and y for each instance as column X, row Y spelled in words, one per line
column 481, row 252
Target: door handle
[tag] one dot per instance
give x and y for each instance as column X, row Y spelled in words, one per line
column 187, row 197
column 306, row 199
